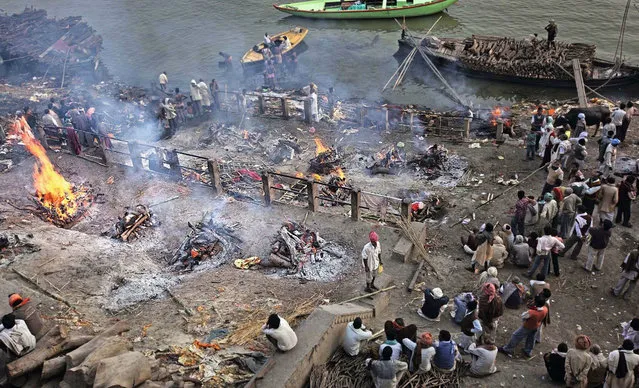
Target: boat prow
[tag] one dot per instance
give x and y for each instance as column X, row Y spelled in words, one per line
column 364, row 9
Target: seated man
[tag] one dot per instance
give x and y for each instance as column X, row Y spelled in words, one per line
column 446, row 353
column 279, row 333
column 15, row 341
column 391, row 342
column 520, row 255
column 483, row 358
column 25, row 310
column 403, row 331
column 460, row 306
column 434, row 303
column 556, row 363
column 421, row 353
column 385, row 370
column 598, row 368
column 354, row 336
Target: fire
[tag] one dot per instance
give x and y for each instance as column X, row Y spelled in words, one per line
column 53, row 191
column 320, row 148
column 338, row 171
column 299, row 174
column 245, row 134
column 317, row 177
column 495, row 114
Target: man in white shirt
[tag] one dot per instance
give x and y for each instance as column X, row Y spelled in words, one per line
column 279, row 333
column 163, row 80
column 355, row 333
column 15, row 341
column 617, row 116
column 545, row 245
column 371, row 259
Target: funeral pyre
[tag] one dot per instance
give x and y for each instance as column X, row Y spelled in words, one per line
column 129, row 225
column 303, row 253
column 326, row 160
column 437, row 165
column 58, row 201
column 389, row 160
column 209, row 241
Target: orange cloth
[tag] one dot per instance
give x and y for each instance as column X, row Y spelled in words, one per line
column 16, row 298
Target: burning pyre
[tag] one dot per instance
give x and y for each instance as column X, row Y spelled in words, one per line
column 302, row 252
column 129, row 225
column 208, row 241
column 58, row 201
column 326, row 160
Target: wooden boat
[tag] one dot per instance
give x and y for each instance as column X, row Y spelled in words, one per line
column 521, row 61
column 253, row 60
column 368, row 9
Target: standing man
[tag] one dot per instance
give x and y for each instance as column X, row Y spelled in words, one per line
column 196, row 96
column 163, row 80
column 521, row 207
column 568, row 210
column 600, row 237
column 554, row 178
column 538, row 123
column 608, row 199
column 532, row 319
column 629, row 275
column 617, row 120
column 545, row 245
column 371, row 259
column 610, row 157
column 206, row 98
column 552, row 33
column 583, row 220
column 626, row 194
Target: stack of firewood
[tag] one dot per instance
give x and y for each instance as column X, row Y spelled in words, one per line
column 509, row 56
column 104, row 360
column 130, row 224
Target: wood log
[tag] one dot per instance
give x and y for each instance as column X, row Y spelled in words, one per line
column 56, row 366
column 76, row 357
column 139, row 222
column 84, row 374
column 123, row 371
column 47, row 347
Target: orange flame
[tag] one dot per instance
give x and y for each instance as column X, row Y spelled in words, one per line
column 319, row 146
column 317, row 177
column 51, row 188
column 338, row 171
column 495, row 115
column 245, row 134
column 299, row 174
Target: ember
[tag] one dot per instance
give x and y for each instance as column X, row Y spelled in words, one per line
column 500, row 113
column 208, row 240
column 305, row 254
column 320, row 148
column 61, row 203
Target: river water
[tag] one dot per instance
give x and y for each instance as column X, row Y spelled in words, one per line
column 144, row 37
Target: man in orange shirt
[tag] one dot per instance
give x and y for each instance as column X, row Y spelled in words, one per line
column 533, row 318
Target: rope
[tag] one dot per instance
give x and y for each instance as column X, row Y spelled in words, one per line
column 586, row 86
column 433, row 68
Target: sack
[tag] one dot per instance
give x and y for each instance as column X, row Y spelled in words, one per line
column 380, row 269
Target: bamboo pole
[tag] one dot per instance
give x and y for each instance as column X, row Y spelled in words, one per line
column 367, row 295
column 50, row 294
column 64, row 68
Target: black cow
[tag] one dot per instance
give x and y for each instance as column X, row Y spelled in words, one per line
column 594, row 116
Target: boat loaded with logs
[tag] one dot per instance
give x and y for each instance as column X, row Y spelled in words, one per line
column 253, row 60
column 520, row 60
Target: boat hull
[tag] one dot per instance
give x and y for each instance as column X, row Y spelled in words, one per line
column 388, row 13
column 450, row 66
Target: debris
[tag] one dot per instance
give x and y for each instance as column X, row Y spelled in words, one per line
column 132, row 220
column 246, row 263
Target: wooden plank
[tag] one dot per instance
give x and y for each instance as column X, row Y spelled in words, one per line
column 579, row 82
column 411, row 285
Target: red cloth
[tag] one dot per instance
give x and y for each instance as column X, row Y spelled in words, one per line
column 535, row 318
column 373, row 236
column 558, row 193
column 73, row 140
column 251, row 174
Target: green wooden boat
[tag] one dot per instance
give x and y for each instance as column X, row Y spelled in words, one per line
column 364, row 9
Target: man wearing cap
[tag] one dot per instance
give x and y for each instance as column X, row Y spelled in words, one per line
column 434, row 303
column 25, row 310
column 371, row 259
column 610, row 157
column 552, row 33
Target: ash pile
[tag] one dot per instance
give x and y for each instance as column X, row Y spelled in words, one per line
column 301, row 252
column 438, row 166
column 209, row 242
column 13, row 245
column 132, row 223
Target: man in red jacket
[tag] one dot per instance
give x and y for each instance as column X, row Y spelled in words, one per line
column 533, row 318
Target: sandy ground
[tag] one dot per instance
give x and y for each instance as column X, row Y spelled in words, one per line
column 89, row 270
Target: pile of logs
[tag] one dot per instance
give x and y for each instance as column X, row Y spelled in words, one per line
column 104, row 360
column 325, row 162
column 208, row 240
column 41, row 42
column 128, row 226
column 516, row 57
column 60, row 215
column 293, row 246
